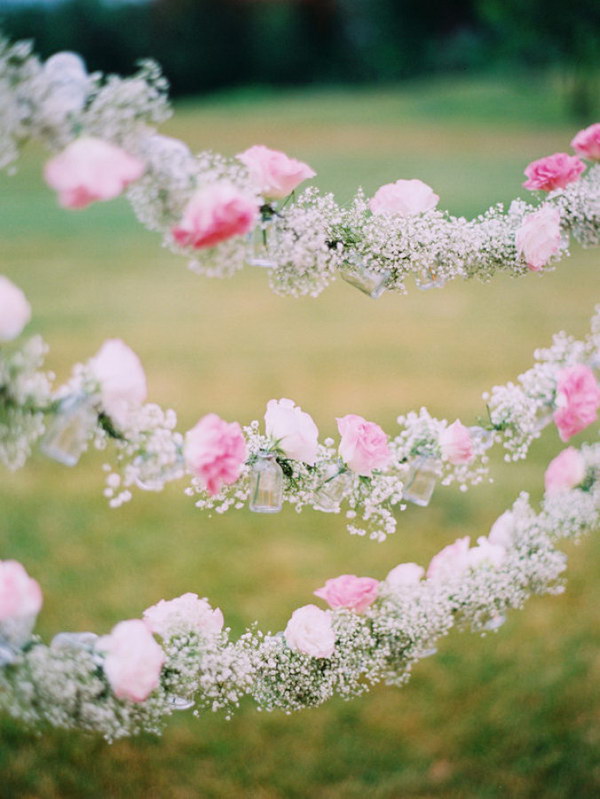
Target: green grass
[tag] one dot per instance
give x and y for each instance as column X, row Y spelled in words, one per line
column 509, row 715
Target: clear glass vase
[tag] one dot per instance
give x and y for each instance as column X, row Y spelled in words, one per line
column 429, row 279
column 266, row 489
column 483, row 436
column 421, row 481
column 258, row 246
column 370, row 281
column 68, row 431
column 332, row 490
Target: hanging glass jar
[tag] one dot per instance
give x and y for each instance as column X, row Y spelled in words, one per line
column 494, row 622
column 421, row 481
column 68, row 431
column 429, row 279
column 483, row 436
column 266, row 488
column 335, row 485
column 258, row 253
column 372, row 282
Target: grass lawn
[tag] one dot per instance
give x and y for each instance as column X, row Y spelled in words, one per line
column 514, row 714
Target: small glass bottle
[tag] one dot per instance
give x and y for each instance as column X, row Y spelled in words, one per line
column 68, row 432
column 421, row 481
column 480, row 434
column 494, row 622
column 429, row 279
column 332, row 490
column 258, row 247
column 367, row 279
column 266, row 489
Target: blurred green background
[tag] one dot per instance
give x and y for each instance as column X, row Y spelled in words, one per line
column 516, row 714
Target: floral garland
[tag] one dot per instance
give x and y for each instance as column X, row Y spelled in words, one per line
column 223, row 213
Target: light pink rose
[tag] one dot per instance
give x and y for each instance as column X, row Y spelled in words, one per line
column 364, row 445
column 274, row 174
column 502, row 530
column 587, row 142
column 349, row 591
column 538, row 237
column 553, row 172
column 15, row 311
column 215, row 214
column 567, row 470
column 486, row 553
column 294, row 429
column 215, row 451
column 20, row 594
column 456, row 444
column 404, row 198
column 90, row 169
column 133, row 660
column 121, row 377
column 404, row 575
column 577, row 400
column 182, row 615
column 309, row 631
column 450, row 561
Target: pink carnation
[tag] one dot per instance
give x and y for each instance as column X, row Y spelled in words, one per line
column 20, row 594
column 587, row 142
column 553, row 172
column 182, row 615
column 456, row 444
column 577, row 400
column 90, row 169
column 133, row 660
column 364, row 445
column 349, row 591
column 215, row 451
column 404, row 198
column 214, row 214
column 274, row 174
column 538, row 237
column 567, row 470
column 309, row 631
column 450, row 561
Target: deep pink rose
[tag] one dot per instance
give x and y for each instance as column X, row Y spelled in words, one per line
column 183, row 615
column 577, row 400
column 587, row 142
column 274, row 174
column 20, row 594
column 538, row 237
column 364, row 445
column 215, row 451
column 309, row 631
column 90, row 169
column 133, row 660
column 450, row 561
column 567, row 470
column 404, row 198
column 349, row 591
column 456, row 444
column 553, row 172
column 214, row 214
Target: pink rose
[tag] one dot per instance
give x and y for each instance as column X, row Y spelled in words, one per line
column 274, row 174
column 364, row 445
column 294, row 429
column 15, row 311
column 20, row 594
column 404, row 198
column 121, row 377
column 215, row 451
column 450, row 561
column 456, row 444
column 90, row 169
column 567, row 470
column 214, row 214
column 309, row 631
column 538, row 237
column 183, row 615
column 553, row 172
column 404, row 575
column 577, row 400
column 587, row 142
column 133, row 660
column 502, row 530
column 486, row 553
column 349, row 591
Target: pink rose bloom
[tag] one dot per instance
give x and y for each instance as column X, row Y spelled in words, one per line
column 486, row 553
column 450, row 561
column 553, row 172
column 15, row 311
column 309, row 631
column 215, row 214
column 567, row 470
column 404, row 575
column 404, row 198
column 349, row 591
column 133, row 660
column 274, row 174
column 90, row 169
column 364, row 445
column 538, row 237
column 456, row 444
column 183, row 615
column 501, row 532
column 121, row 377
column 587, row 142
column 577, row 400
column 294, row 429
column 215, row 451
column 20, row 594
